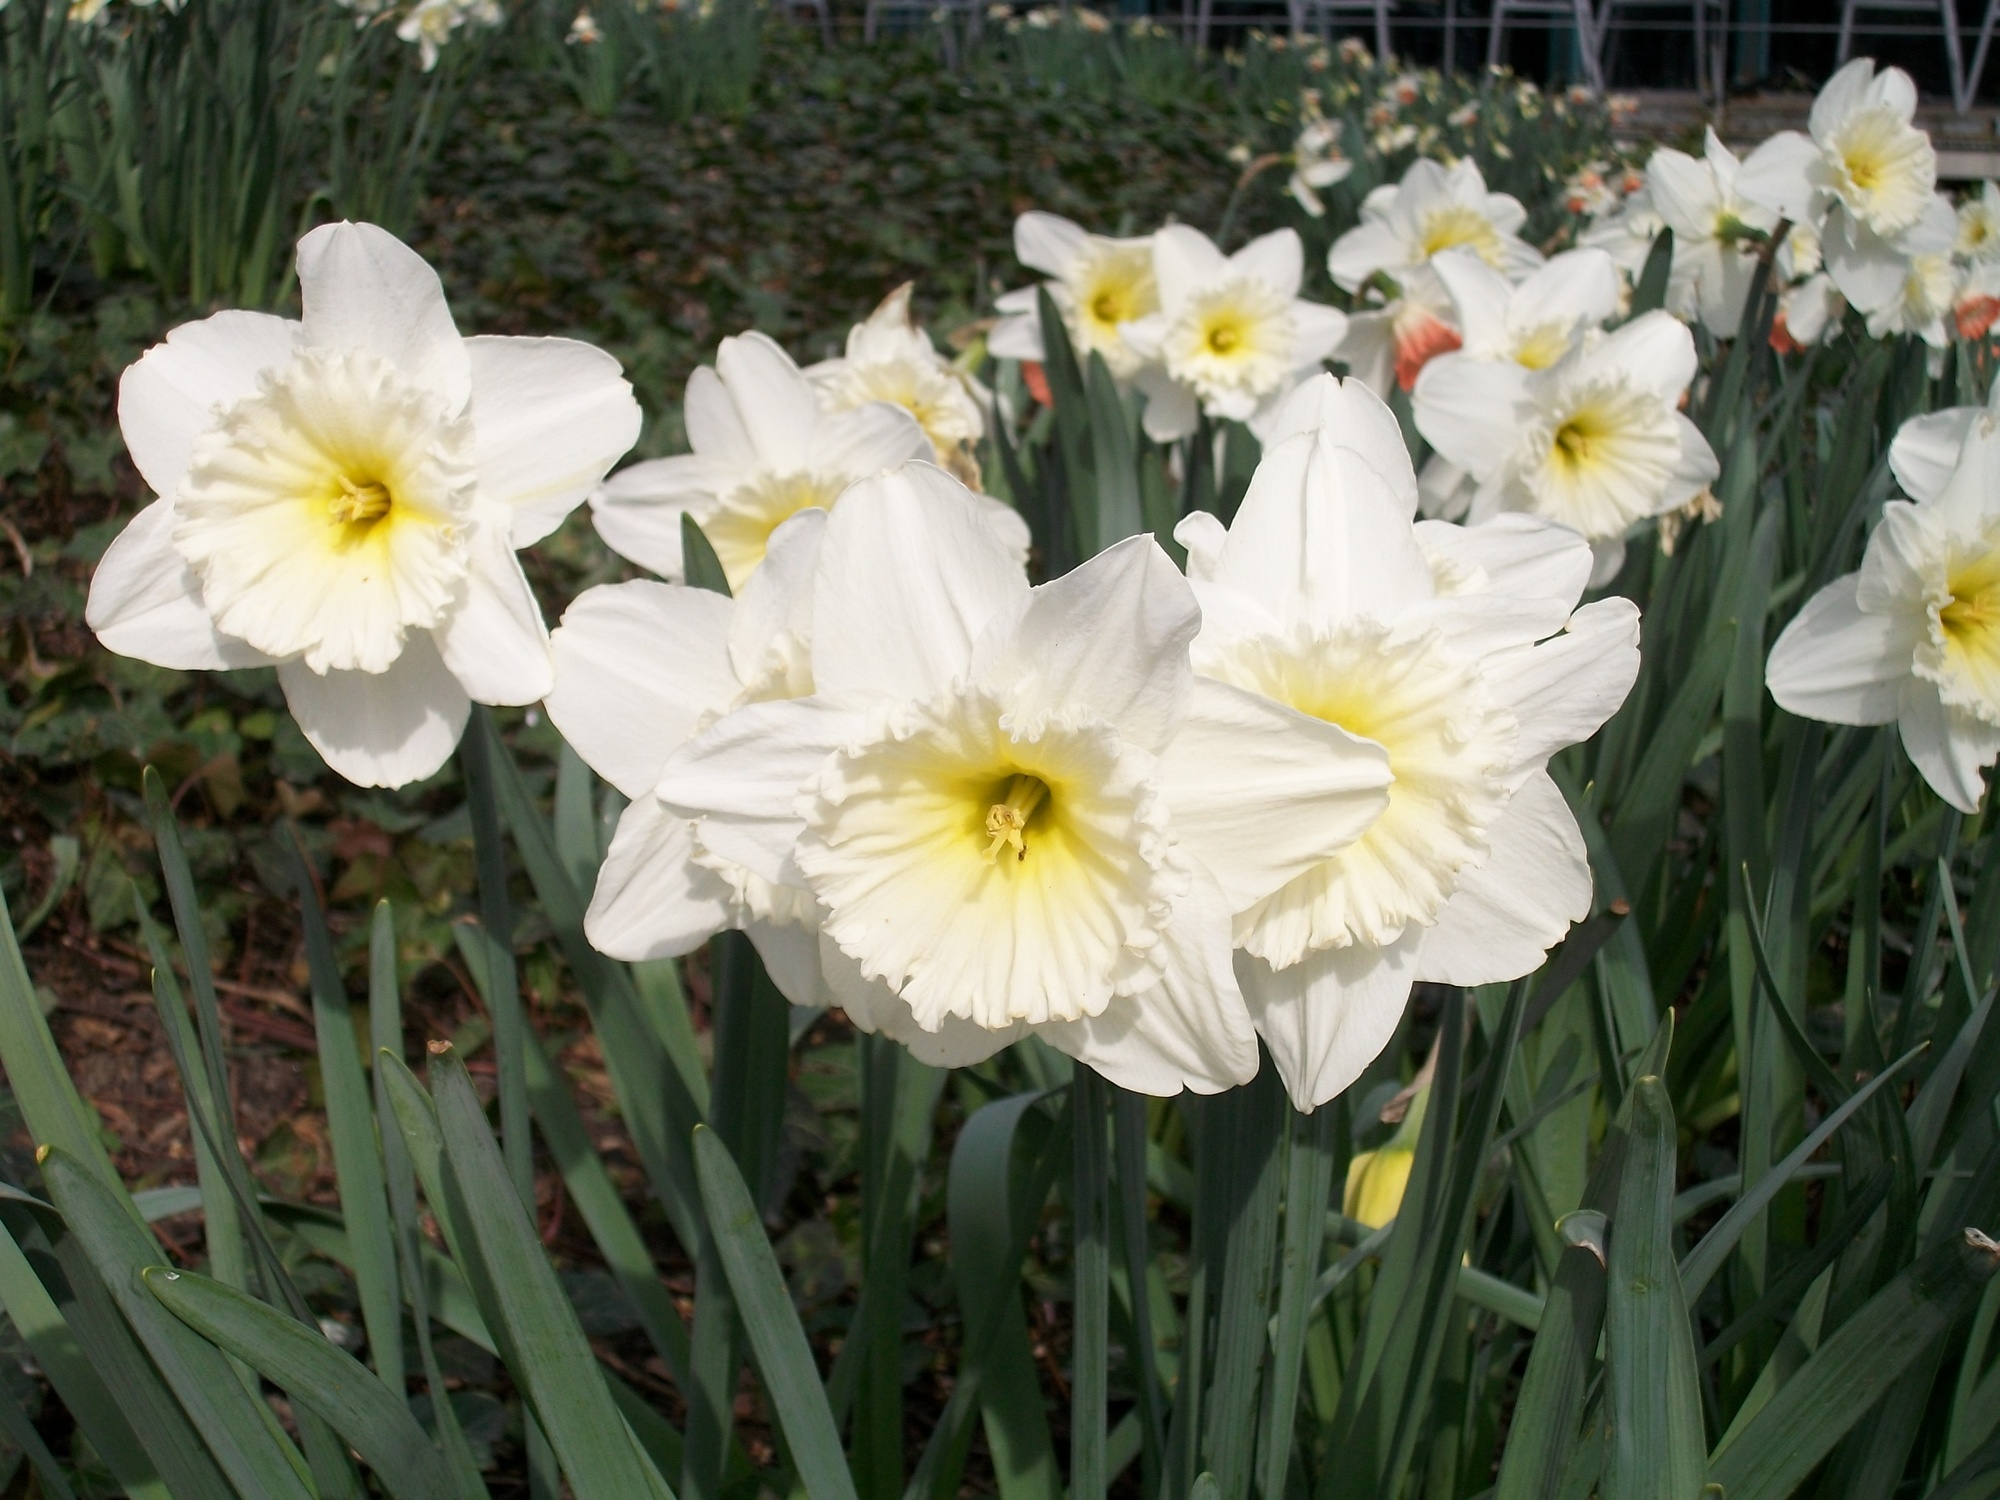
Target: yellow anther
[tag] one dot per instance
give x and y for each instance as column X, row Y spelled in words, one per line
column 1007, row 822
column 367, row 501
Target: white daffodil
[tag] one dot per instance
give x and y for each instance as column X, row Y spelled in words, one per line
column 1861, row 155
column 1537, row 321
column 1232, row 335
column 1433, row 209
column 1455, row 649
column 1100, row 285
column 1979, row 226
column 1716, row 233
column 1914, row 637
column 889, row 358
column 1596, row 442
column 765, row 448
column 342, row 497
column 1017, row 809
column 1908, row 284
column 641, row 667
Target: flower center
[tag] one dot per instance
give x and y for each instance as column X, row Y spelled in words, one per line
column 1456, row 224
column 1889, row 169
column 990, row 872
column 360, row 504
column 326, row 513
column 1605, row 458
column 1233, row 340
column 1108, row 286
column 1007, row 819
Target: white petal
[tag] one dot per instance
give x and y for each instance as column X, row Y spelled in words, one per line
column 1189, row 1031
column 1172, row 411
column 1278, row 259
column 1481, row 296
column 638, row 666
column 1111, row 636
column 145, row 602
column 1578, row 285
column 1607, row 557
column 171, row 394
column 1260, row 793
column 773, row 400
column 1045, row 241
column 494, row 642
column 1201, row 535
column 1950, row 747
column 777, row 601
column 1841, row 665
column 1322, row 537
column 1563, row 690
column 1519, row 556
column 1349, row 414
column 714, row 427
column 552, row 417
column 1656, row 351
column 362, row 288
column 1685, row 193
column 1926, row 450
column 1358, row 254
column 909, row 574
column 867, row 440
column 1777, row 175
column 1316, row 332
column 1327, row 1018
column 1017, row 337
column 1506, row 914
column 1466, row 409
column 652, row 899
column 742, row 775
column 1869, row 270
column 791, row 957
column 381, row 728
column 1184, row 260
column 873, row 1006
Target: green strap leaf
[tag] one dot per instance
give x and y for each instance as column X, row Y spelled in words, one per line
column 1658, row 1446
column 367, row 1415
column 553, row 1362
column 699, row 565
column 784, row 1358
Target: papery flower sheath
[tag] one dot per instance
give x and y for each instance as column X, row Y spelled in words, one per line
column 1016, row 808
column 1232, row 335
column 1098, row 284
column 1913, row 637
column 1596, row 442
column 766, row 446
column 342, row 497
column 641, row 668
column 1461, row 652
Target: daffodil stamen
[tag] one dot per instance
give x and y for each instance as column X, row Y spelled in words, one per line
column 1007, row 820
column 360, row 504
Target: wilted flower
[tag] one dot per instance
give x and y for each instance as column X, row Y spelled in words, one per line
column 342, row 498
column 889, row 358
